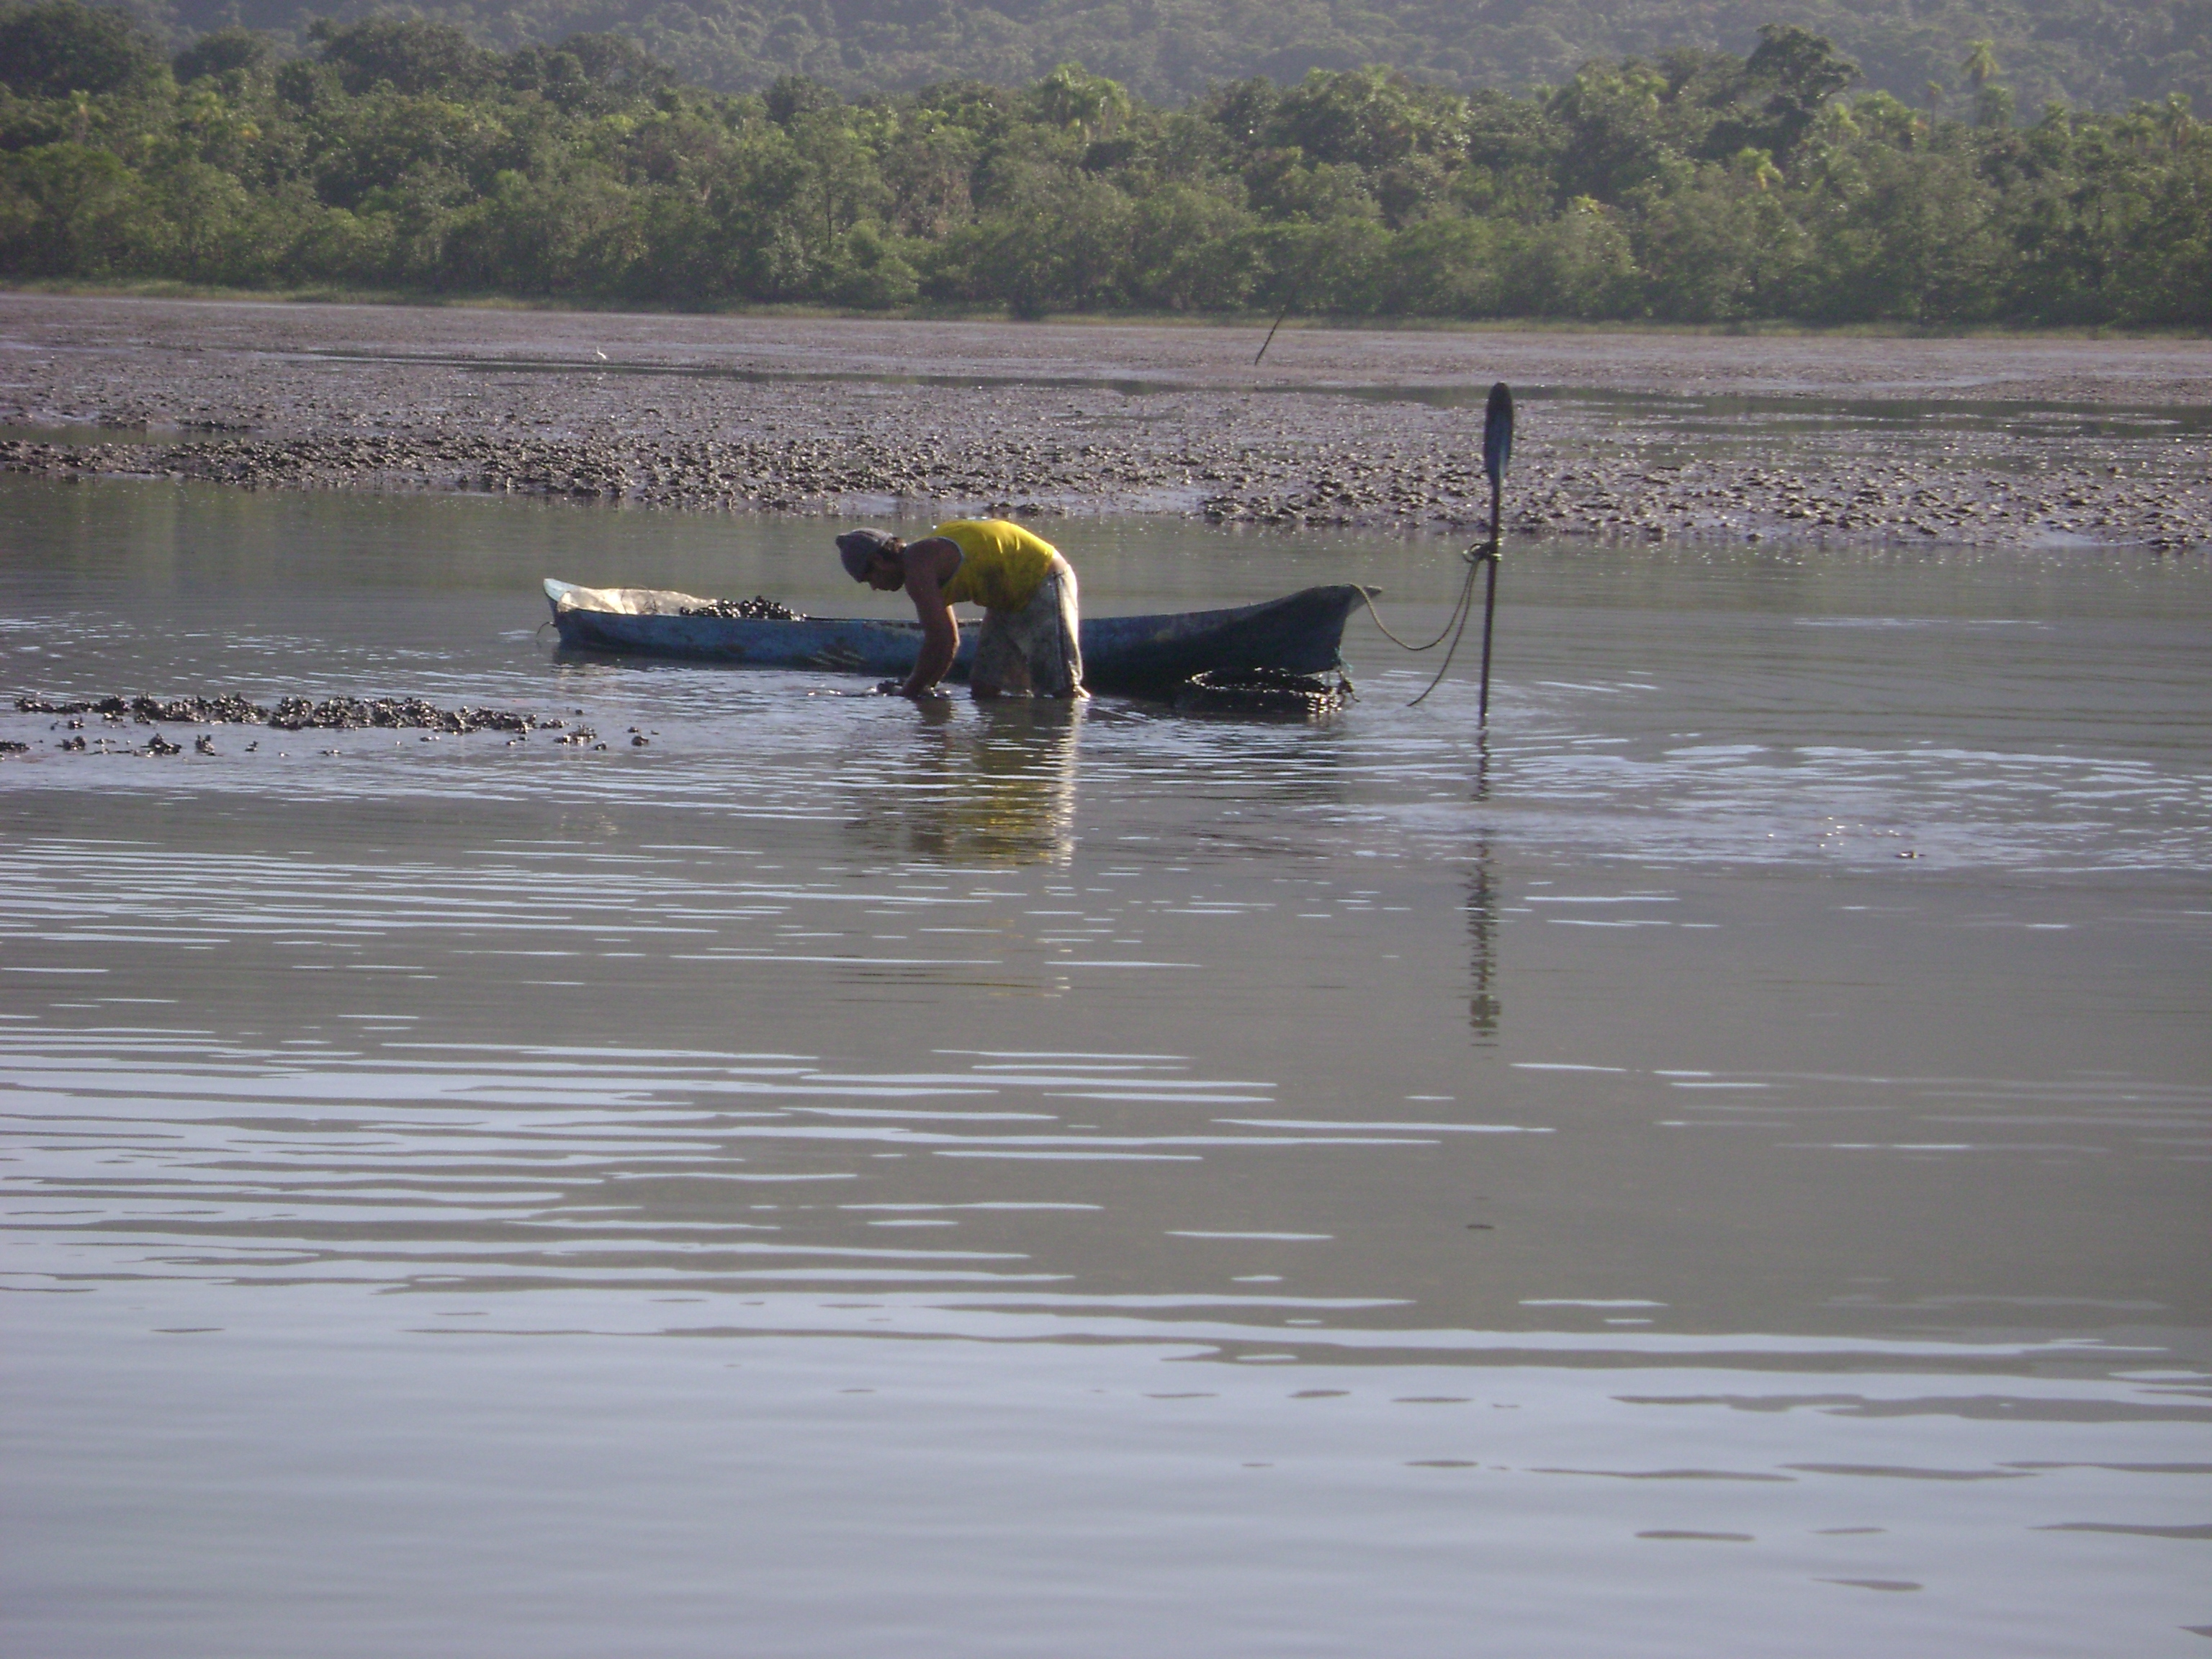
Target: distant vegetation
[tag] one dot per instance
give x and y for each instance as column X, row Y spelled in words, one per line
column 2098, row 54
column 1697, row 186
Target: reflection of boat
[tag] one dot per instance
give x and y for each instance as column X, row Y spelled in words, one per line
column 1143, row 655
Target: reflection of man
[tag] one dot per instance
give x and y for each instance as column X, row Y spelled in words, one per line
column 1000, row 791
column 1029, row 644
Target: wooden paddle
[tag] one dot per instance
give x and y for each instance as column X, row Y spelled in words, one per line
column 1497, row 453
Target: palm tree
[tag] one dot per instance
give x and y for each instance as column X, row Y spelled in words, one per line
column 1071, row 96
column 2174, row 118
column 1981, row 64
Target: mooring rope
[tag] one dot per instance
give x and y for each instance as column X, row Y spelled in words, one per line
column 1455, row 625
column 1408, row 645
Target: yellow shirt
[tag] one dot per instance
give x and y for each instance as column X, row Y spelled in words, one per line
column 1001, row 564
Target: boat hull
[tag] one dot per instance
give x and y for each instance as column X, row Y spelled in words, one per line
column 1138, row 656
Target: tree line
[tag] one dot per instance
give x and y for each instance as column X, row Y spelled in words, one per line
column 1695, row 185
column 2096, row 54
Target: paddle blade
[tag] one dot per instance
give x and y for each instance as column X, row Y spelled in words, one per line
column 1497, row 434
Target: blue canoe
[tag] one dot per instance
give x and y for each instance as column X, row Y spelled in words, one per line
column 1140, row 656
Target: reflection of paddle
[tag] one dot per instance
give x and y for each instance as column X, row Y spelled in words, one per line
column 1496, row 451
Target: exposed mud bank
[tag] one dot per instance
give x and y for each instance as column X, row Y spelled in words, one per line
column 1623, row 436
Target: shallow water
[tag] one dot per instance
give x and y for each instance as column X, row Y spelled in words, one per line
column 1720, row 1166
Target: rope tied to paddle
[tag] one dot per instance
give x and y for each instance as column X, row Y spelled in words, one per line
column 1497, row 453
column 1476, row 557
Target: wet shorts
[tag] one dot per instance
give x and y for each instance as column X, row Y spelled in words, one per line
column 1034, row 651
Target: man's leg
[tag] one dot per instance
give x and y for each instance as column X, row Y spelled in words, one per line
column 1069, row 621
column 998, row 666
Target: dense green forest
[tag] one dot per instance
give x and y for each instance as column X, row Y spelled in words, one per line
column 2100, row 54
column 1696, row 186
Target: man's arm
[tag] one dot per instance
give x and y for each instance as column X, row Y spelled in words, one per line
column 929, row 564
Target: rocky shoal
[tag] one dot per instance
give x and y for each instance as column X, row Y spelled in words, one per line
column 288, row 713
column 939, row 419
column 114, row 716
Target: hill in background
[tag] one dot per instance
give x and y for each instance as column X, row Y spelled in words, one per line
column 1711, row 187
column 2090, row 53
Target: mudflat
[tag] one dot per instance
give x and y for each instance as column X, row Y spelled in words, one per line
column 1625, row 435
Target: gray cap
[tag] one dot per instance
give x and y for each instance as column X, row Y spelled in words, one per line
column 856, row 547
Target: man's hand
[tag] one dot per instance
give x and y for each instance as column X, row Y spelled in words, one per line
column 929, row 563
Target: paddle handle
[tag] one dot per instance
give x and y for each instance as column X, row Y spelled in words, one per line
column 1489, row 602
column 1489, row 608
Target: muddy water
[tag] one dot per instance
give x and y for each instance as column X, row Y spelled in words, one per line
column 1720, row 1166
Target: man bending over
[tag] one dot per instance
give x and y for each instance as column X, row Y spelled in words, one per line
column 1029, row 645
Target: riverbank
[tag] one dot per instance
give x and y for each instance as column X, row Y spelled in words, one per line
column 1623, row 436
column 1258, row 317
